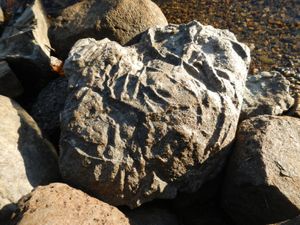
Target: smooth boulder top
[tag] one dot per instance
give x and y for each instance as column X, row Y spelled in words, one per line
column 118, row 20
column 60, row 204
column 148, row 120
column 26, row 158
column 263, row 178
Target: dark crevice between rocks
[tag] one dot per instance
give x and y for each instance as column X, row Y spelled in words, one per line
column 32, row 79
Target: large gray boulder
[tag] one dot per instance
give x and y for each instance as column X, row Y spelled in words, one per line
column 24, row 44
column 263, row 178
column 60, row 204
column 118, row 20
column 10, row 86
column 267, row 93
column 145, row 121
column 26, row 158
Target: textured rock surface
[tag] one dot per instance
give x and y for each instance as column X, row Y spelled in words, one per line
column 118, row 20
column 266, row 93
column 148, row 120
column 47, row 108
column 263, row 179
column 26, row 159
column 58, row 204
column 9, row 84
column 25, row 46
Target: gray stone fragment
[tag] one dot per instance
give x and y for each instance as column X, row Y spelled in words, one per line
column 267, row 93
column 263, row 179
column 25, row 46
column 9, row 84
column 118, row 20
column 148, row 120
column 46, row 110
column 26, row 158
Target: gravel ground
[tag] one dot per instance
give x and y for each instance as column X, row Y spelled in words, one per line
column 269, row 27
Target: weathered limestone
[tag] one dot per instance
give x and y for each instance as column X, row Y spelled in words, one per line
column 145, row 121
column 267, row 93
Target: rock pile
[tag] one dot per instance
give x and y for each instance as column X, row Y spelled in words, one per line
column 161, row 118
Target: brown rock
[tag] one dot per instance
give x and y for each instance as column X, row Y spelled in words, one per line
column 60, row 204
column 118, row 20
column 263, row 178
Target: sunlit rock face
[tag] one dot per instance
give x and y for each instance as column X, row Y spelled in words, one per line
column 148, row 120
column 118, row 20
column 26, row 158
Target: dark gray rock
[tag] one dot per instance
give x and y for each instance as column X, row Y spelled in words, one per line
column 118, row 20
column 145, row 121
column 294, row 221
column 203, row 214
column 54, row 7
column 46, row 110
column 25, row 46
column 267, row 93
column 26, row 158
column 263, row 178
column 10, row 86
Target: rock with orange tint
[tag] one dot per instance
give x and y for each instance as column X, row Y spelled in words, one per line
column 60, row 204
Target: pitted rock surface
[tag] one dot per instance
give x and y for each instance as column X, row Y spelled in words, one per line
column 148, row 120
column 60, row 204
